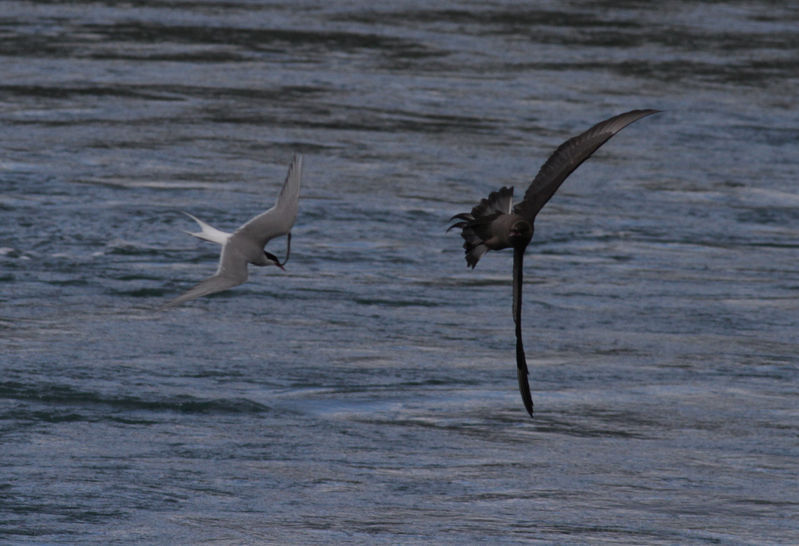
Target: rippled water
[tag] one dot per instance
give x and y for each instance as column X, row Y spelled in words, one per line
column 368, row 394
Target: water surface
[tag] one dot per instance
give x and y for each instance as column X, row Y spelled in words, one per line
column 368, row 394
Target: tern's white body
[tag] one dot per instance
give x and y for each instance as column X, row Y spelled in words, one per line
column 246, row 244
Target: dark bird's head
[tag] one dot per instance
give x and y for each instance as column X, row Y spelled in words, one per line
column 271, row 259
column 520, row 233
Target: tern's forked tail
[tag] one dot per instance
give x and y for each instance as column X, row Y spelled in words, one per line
column 208, row 233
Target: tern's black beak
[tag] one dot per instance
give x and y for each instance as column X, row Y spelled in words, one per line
column 275, row 261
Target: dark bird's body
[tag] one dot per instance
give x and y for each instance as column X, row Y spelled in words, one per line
column 495, row 223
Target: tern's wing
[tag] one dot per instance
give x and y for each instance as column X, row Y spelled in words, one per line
column 568, row 157
column 232, row 271
column 279, row 219
column 521, row 361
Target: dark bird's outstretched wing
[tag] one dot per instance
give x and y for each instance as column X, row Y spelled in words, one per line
column 521, row 361
column 568, row 157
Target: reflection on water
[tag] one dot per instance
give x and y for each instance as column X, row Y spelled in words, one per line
column 369, row 392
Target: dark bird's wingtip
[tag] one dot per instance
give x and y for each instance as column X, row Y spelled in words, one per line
column 524, row 389
column 521, row 369
column 648, row 111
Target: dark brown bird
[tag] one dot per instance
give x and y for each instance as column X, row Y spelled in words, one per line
column 495, row 223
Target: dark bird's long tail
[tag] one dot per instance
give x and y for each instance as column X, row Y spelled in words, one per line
column 521, row 361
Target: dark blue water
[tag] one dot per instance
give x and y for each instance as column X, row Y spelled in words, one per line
column 368, row 394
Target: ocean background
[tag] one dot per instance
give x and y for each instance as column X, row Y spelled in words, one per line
column 368, row 393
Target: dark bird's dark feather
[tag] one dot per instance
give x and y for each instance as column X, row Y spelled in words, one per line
column 476, row 224
column 492, row 224
column 521, row 360
column 568, row 157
